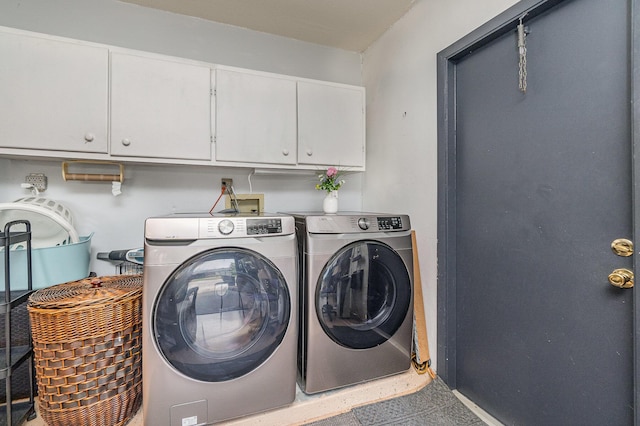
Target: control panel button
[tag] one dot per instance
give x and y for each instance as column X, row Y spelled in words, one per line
column 363, row 223
column 225, row 227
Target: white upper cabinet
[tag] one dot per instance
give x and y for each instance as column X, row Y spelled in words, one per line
column 53, row 95
column 75, row 99
column 160, row 108
column 331, row 124
column 269, row 119
column 255, row 118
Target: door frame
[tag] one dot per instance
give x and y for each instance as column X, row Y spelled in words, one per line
column 446, row 251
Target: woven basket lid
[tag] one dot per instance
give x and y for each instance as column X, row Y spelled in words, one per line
column 87, row 292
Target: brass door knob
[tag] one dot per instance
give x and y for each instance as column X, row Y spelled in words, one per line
column 622, row 278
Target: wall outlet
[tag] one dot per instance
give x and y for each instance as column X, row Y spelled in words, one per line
column 38, row 180
column 227, row 183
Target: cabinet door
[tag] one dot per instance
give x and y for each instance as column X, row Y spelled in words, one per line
column 53, row 94
column 160, row 108
column 330, row 125
column 255, row 118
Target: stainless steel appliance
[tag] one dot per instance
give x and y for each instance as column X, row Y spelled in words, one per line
column 356, row 298
column 219, row 325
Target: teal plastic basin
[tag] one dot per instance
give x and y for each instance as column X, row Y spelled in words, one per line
column 50, row 265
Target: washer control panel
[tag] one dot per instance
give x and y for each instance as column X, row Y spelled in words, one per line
column 186, row 227
column 241, row 227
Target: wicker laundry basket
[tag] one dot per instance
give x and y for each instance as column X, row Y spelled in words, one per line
column 87, row 349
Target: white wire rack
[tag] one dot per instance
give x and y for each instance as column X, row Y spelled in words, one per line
column 128, row 268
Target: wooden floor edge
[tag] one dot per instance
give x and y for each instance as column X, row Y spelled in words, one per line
column 318, row 407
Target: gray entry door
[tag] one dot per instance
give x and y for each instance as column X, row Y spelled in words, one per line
column 535, row 187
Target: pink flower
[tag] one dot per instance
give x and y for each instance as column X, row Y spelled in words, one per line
column 330, row 180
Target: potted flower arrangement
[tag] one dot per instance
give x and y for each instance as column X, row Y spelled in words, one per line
column 330, row 181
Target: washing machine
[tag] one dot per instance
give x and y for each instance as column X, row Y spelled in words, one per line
column 356, row 298
column 220, row 325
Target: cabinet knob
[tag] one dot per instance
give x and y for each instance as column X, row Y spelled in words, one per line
column 126, row 142
column 285, row 152
column 89, row 137
column 309, row 153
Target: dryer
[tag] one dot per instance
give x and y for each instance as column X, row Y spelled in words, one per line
column 219, row 317
column 356, row 298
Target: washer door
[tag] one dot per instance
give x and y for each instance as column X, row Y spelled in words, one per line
column 363, row 295
column 221, row 314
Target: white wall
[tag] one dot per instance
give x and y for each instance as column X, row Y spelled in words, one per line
column 399, row 73
column 127, row 25
column 117, row 222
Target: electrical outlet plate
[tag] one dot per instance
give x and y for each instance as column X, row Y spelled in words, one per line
column 38, row 180
column 227, row 182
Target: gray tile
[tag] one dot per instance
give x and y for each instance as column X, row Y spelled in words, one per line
column 432, row 397
column 383, row 413
column 347, row 419
column 453, row 415
column 434, row 405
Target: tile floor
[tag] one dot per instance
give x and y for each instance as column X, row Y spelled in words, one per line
column 434, row 404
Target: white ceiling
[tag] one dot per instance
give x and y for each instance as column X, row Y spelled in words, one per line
column 345, row 24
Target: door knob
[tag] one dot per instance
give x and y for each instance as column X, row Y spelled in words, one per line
column 622, row 247
column 622, row 278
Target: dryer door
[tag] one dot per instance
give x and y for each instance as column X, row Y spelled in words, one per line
column 363, row 295
column 221, row 314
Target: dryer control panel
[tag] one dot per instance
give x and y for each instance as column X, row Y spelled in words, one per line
column 354, row 223
column 387, row 223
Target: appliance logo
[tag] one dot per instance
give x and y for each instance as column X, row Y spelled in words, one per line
column 190, row 421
